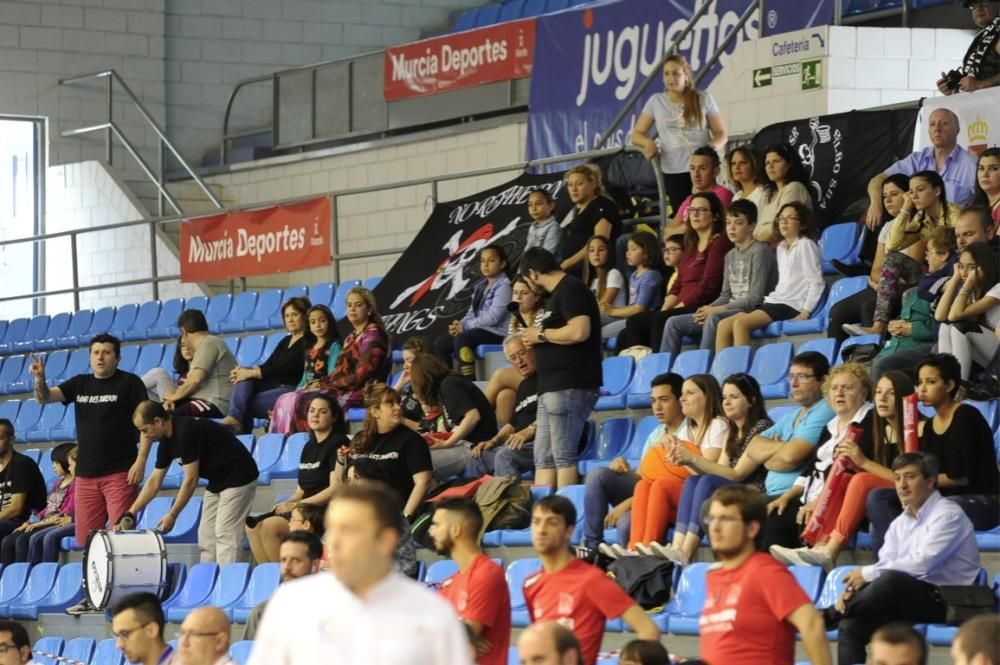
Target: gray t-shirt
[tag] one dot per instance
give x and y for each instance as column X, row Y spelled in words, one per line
column 217, row 361
column 678, row 139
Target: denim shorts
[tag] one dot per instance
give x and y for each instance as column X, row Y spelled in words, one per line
column 561, row 417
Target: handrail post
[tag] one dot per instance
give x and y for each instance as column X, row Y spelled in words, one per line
column 111, row 119
column 727, row 41
column 153, row 270
column 75, row 263
column 159, row 191
column 335, row 239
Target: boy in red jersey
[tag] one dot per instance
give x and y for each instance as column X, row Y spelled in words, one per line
column 574, row 593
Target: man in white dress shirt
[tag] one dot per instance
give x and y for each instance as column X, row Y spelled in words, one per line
column 932, row 543
column 362, row 613
column 204, row 638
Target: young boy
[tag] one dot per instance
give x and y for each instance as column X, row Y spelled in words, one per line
column 751, row 272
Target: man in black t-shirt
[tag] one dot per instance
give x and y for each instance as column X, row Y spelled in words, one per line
column 567, row 348
column 22, row 488
column 206, row 450
column 518, row 455
column 108, row 466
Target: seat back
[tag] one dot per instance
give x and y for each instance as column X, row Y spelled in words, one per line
column 169, row 313
column 263, row 582
column 58, row 325
column 147, row 315
column 691, row 362
column 199, row 303
column 80, row 649
column 838, row 242
column 247, row 441
column 288, row 463
column 250, row 351
column 689, row 597
column 28, row 415
column 856, row 341
column 372, row 282
column 613, row 436
column 518, row 571
column 150, row 356
column 217, row 310
column 16, row 330
column 233, row 342
column 37, row 327
column 770, row 362
column 124, row 318
column 268, row 303
column 12, row 368
column 67, row 587
column 12, row 581
column 55, row 364
column 648, row 368
column 617, row 374
column 440, row 570
column 240, row 651
column 107, row 653
column 129, row 356
column 575, row 494
column 339, row 305
column 201, row 579
column 488, row 15
column 272, row 342
column 810, row 578
column 833, row 587
column 52, row 415
column 511, row 10
column 80, row 323
column 51, row 646
column 826, row 346
column 268, row 451
column 533, row 8
column 776, row 413
column 642, row 431
column 78, row 363
column 40, row 581
column 9, row 409
column 322, row 293
column 102, row 322
column 242, row 308
column 231, row 584
column 733, row 360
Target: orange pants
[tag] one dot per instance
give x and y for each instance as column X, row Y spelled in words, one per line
column 656, row 496
column 852, row 511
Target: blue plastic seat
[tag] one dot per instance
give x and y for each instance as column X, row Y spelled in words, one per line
column 555, row 5
column 518, row 571
column 79, row 324
column 814, row 324
column 34, row 454
column 776, row 413
column 107, row 653
column 243, row 307
column 613, row 436
column 9, row 409
column 217, row 310
column 833, row 587
column 39, row 584
column 124, row 318
column 231, row 585
column 233, row 342
column 277, row 321
column 856, row 341
column 52, row 415
column 185, row 527
column 648, row 368
column 288, row 463
column 240, row 651
column 511, row 10
column 987, row 409
column 488, row 15
column 810, row 578
column 826, row 346
column 24, row 381
column 839, row 242
column 339, row 305
column 734, row 360
column 27, row 415
column 770, row 367
column 466, row 20
column 50, row 646
column 575, row 494
column 199, row 303
column 631, row 452
column 128, row 357
column 247, row 440
column 166, row 323
column 12, row 582
column 251, row 348
column 266, row 453
column 10, row 373
column 145, row 318
column 482, row 350
column 176, row 579
column 684, row 609
column 533, row 8
column 80, row 649
column 14, row 334
column 55, row 365
column 268, row 305
column 57, row 328
column 150, row 356
column 102, row 322
column 78, row 363
column 692, row 362
column 201, row 579
column 322, row 293
column 617, row 376
column 372, row 282
column 66, row 429
column 263, row 582
column 440, row 570
column 272, row 342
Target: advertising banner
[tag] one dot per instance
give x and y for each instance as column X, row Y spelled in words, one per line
column 485, row 55
column 977, row 117
column 588, row 61
column 430, row 285
column 243, row 243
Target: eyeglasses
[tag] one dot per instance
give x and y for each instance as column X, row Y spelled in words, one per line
column 801, row 377
column 785, row 218
column 123, row 635
column 192, row 634
column 699, row 211
column 7, row 646
column 722, row 519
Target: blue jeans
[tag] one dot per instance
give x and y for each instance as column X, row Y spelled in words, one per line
column 560, row 420
column 903, row 361
column 684, row 325
column 253, row 398
column 603, row 488
column 502, row 461
column 696, row 491
column 35, row 547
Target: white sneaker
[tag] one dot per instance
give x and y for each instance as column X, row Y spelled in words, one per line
column 816, row 556
column 788, row 555
column 670, row 553
column 622, row 551
column 607, row 550
column 645, row 549
column 83, row 607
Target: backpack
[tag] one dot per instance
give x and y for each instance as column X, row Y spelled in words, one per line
column 505, row 504
column 647, row 579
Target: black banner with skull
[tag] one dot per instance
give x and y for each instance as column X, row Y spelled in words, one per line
column 842, row 152
column 431, row 283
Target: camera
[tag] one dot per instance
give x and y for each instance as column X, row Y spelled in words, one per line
column 952, row 80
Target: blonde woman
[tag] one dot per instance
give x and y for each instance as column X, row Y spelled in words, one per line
column 593, row 214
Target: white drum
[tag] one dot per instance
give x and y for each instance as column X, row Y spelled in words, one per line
column 117, row 563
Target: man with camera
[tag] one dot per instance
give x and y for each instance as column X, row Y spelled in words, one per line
column 981, row 65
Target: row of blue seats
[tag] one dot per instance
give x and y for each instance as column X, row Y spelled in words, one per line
column 106, row 652
column 856, row 7
column 246, row 312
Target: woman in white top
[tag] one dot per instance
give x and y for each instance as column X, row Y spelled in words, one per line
column 800, row 282
column 786, row 183
column 599, row 273
column 745, row 175
column 969, row 309
column 685, row 120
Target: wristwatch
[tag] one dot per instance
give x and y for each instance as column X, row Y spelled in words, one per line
column 541, row 336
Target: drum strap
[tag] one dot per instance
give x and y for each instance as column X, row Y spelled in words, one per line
column 56, row 659
column 165, row 656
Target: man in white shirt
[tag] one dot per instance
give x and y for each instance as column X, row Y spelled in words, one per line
column 204, row 638
column 930, row 544
column 363, row 612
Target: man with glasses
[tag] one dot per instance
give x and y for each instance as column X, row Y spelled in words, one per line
column 137, row 626
column 22, row 487
column 15, row 647
column 753, row 605
column 204, row 638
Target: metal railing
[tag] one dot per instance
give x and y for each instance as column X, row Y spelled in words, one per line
column 111, row 130
column 338, row 258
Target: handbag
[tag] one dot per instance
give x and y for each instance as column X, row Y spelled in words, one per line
column 965, row 601
column 860, row 353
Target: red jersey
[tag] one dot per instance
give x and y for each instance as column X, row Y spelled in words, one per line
column 480, row 594
column 745, row 610
column 580, row 597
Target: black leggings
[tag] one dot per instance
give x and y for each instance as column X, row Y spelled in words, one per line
column 646, row 328
column 463, row 348
column 854, row 309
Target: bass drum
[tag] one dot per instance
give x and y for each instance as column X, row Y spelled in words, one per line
column 117, row 563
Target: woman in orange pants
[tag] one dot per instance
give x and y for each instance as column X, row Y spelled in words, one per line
column 873, row 473
column 658, row 492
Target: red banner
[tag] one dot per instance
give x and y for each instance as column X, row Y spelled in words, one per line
column 485, row 55
column 242, row 243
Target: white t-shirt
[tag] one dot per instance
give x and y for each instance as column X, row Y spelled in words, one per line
column 883, row 234
column 615, row 281
column 993, row 314
column 677, row 139
column 715, row 435
column 758, row 196
column 317, row 619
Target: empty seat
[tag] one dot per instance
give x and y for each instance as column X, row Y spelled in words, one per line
column 266, row 453
column 518, row 571
column 533, row 8
column 826, row 346
column 166, row 323
column 34, row 454
column 511, row 10
column 80, row 649
column 617, row 372
column 57, row 328
column 145, row 318
column 55, row 365
column 770, row 368
column 288, row 463
column 833, row 587
column 199, row 303
column 247, row 441
column 39, row 584
column 66, row 429
column 372, row 282
column 268, row 305
column 440, row 570
column 734, row 360
column 555, row 5
column 233, row 342
column 201, row 579
column 251, row 348
column 263, row 582
column 27, row 415
column 613, row 436
column 102, row 322
column 217, row 310
column 128, row 357
column 240, row 651
column 14, row 333
column 684, row 609
column 46, row 650
column 339, row 305
column 52, row 415
column 692, row 362
column 488, row 15
column 78, row 363
column 987, row 409
column 12, row 582
column 232, row 583
column 124, row 318
column 647, row 369
column 185, row 527
column 778, row 412
column 810, row 578
column 150, row 356
column 277, row 321
column 322, row 293
column 10, row 373
column 272, row 342
column 839, row 241
column 107, row 653
column 243, row 306
column 78, row 325
column 9, row 409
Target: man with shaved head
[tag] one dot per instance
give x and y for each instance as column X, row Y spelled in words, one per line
column 548, row 643
column 204, row 638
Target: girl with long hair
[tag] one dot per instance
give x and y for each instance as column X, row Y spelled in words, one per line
column 643, row 256
column 988, row 184
column 969, row 309
column 606, row 282
column 745, row 174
